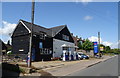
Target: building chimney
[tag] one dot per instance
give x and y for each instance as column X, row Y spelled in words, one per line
column 80, row 38
column 76, row 36
column 72, row 34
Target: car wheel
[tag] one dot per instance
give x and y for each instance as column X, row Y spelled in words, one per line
column 87, row 58
column 81, row 58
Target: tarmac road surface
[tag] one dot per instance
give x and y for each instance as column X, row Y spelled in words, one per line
column 105, row 68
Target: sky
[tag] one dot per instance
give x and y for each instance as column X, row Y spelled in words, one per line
column 82, row 19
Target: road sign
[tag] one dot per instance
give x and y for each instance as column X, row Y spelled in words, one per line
column 101, row 48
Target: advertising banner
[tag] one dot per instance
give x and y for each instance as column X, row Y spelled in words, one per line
column 101, row 48
column 95, row 47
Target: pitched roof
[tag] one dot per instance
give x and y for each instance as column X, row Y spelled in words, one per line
column 49, row 31
column 37, row 29
column 57, row 29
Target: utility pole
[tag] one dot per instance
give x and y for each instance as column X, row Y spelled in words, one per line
column 31, row 34
column 99, row 43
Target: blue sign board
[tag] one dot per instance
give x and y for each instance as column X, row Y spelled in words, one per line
column 95, row 47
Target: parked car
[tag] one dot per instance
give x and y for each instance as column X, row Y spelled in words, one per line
column 79, row 56
column 97, row 56
column 17, row 57
column 83, row 56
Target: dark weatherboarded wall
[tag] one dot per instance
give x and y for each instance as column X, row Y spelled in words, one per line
column 20, row 43
column 20, row 40
column 64, row 31
column 20, row 30
column 47, row 43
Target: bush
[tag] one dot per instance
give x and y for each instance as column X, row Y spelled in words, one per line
column 11, row 67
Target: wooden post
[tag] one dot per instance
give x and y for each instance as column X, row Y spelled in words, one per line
column 30, row 45
column 99, row 43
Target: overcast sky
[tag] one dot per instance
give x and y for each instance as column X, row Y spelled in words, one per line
column 83, row 19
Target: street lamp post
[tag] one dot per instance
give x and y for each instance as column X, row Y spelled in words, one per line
column 99, row 43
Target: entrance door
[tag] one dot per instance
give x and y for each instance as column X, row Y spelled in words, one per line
column 33, row 54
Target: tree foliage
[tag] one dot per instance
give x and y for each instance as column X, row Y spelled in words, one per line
column 107, row 48
column 87, row 45
column 114, row 51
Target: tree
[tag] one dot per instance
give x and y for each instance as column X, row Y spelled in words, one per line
column 87, row 45
column 114, row 51
column 101, row 45
column 107, row 48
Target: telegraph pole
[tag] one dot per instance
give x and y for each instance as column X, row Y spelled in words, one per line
column 31, row 34
column 99, row 43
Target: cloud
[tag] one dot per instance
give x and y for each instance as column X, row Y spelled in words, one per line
column 7, row 28
column 94, row 39
column 106, row 43
column 88, row 18
column 85, row 2
column 116, row 45
column 57, row 0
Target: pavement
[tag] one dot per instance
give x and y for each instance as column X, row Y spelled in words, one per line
column 60, row 68
column 53, row 64
column 119, row 65
column 71, row 68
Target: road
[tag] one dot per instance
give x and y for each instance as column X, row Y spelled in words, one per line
column 105, row 68
column 119, row 65
column 0, row 66
column 74, row 68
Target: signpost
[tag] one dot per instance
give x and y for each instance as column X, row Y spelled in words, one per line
column 101, row 48
column 99, row 44
column 95, row 48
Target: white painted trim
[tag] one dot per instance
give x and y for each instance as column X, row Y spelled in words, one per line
column 15, row 28
column 62, row 40
column 26, row 27
column 23, row 25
